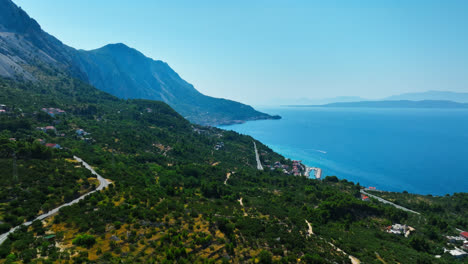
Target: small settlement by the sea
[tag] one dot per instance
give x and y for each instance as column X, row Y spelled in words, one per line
column 297, row 169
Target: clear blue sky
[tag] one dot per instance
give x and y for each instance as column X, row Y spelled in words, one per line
column 253, row 51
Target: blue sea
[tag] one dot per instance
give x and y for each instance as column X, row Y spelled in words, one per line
column 422, row 151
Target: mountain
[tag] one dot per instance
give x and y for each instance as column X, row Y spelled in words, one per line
column 400, row 104
column 127, row 73
column 309, row 101
column 26, row 51
column 432, row 95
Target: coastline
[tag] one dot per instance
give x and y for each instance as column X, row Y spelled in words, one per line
column 356, row 163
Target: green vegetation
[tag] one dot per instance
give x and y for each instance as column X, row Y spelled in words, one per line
column 84, row 240
column 442, row 212
column 36, row 179
column 171, row 201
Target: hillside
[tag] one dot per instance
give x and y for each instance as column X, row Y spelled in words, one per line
column 181, row 192
column 117, row 69
column 126, row 73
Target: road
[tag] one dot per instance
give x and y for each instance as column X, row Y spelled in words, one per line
column 103, row 183
column 387, row 202
column 259, row 164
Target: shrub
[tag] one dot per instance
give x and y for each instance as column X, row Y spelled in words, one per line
column 84, row 240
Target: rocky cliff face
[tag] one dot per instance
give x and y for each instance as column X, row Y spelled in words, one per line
column 23, row 42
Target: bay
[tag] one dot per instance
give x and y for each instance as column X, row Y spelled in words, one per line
column 422, row 151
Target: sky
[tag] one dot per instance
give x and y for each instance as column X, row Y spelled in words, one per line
column 260, row 51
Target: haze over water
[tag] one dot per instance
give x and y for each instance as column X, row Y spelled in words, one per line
column 421, row 151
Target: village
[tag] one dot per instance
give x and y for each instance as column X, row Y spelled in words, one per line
column 80, row 133
column 457, row 244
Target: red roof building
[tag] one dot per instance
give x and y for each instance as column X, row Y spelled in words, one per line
column 464, row 234
column 52, row 145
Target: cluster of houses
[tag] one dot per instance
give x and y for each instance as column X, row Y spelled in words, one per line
column 276, row 165
column 462, row 239
column 53, row 111
column 297, row 169
column 219, row 145
column 399, row 229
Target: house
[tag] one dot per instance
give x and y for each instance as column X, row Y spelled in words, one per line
column 2, row 111
column 371, row 188
column 53, row 145
column 50, row 128
column 81, row 132
column 2, row 106
column 399, row 229
column 465, row 245
column 53, row 111
column 464, row 235
column 12, row 139
column 458, row 253
column 219, row 145
column 365, row 198
column 453, row 239
column 41, row 141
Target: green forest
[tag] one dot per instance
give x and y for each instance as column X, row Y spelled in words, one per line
column 176, row 197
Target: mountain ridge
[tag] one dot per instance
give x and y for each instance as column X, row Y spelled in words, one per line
column 114, row 68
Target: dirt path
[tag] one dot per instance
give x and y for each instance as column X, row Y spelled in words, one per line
column 227, row 178
column 353, row 259
column 309, row 230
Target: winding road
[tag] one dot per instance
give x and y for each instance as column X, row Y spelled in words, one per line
column 103, row 183
column 259, row 164
column 388, row 202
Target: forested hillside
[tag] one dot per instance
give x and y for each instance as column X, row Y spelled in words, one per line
column 181, row 193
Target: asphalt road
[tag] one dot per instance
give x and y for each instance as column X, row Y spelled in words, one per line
column 387, row 202
column 103, row 183
column 259, row 164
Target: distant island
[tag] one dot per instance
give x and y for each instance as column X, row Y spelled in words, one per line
column 394, row 104
column 430, row 95
column 458, row 97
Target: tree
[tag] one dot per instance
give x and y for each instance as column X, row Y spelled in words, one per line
column 265, row 257
column 84, row 240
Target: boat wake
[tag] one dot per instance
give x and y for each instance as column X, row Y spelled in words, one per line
column 321, row 151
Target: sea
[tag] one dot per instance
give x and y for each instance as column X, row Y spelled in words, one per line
column 423, row 151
